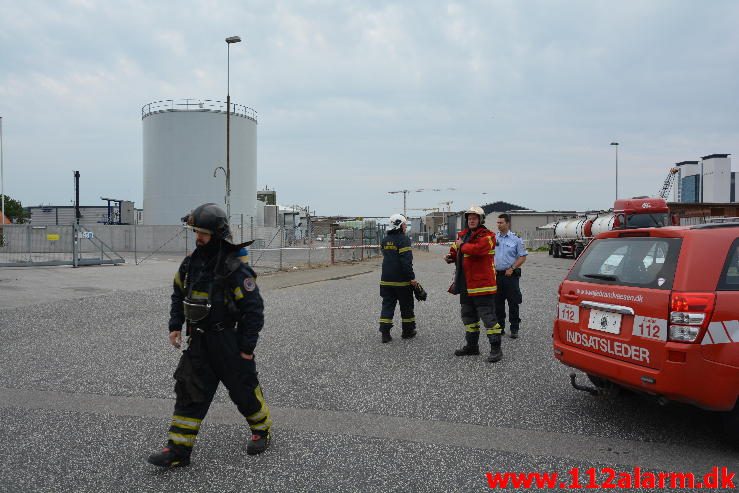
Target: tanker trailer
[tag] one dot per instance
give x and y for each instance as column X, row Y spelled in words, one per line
column 570, row 237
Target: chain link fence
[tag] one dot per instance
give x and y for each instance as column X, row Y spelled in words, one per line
column 273, row 248
column 28, row 245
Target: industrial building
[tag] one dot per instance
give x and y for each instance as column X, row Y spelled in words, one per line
column 184, row 158
column 62, row 215
column 709, row 180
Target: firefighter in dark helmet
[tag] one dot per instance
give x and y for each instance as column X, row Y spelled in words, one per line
column 216, row 298
column 474, row 255
column 398, row 279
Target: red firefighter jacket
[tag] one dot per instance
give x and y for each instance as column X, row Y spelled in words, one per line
column 478, row 261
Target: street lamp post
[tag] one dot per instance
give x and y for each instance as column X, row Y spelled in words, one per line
column 230, row 40
column 615, row 144
column 2, row 174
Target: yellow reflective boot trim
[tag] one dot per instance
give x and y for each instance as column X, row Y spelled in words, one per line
column 395, row 283
column 386, row 320
column 199, row 295
column 261, row 419
column 404, row 249
column 238, row 293
column 412, row 319
column 474, row 327
column 186, row 423
column 180, row 439
column 494, row 330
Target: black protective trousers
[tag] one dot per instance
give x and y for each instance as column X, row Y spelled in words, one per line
column 390, row 296
column 473, row 309
column 508, row 290
column 214, row 357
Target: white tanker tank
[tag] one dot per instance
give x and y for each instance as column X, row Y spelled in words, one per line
column 572, row 229
column 604, row 222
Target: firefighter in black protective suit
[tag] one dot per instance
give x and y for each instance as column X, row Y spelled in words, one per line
column 215, row 295
column 398, row 279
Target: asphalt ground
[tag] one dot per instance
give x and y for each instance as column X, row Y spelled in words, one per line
column 86, row 391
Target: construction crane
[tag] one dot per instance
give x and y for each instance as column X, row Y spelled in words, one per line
column 667, row 185
column 448, row 205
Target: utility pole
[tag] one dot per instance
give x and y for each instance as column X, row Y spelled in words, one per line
column 77, row 197
column 2, row 174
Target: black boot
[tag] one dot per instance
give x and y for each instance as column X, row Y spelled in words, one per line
column 258, row 443
column 408, row 334
column 471, row 348
column 496, row 353
column 386, row 337
column 467, row 351
column 170, row 456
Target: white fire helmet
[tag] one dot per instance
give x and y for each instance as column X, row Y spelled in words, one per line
column 475, row 209
column 396, row 222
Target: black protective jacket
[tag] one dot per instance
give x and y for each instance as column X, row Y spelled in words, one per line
column 397, row 260
column 230, row 284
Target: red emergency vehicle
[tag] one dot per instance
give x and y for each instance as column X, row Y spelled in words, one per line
column 656, row 310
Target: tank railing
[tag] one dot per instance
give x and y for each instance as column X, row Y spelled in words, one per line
column 197, row 105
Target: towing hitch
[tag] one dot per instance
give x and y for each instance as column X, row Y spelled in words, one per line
column 585, row 388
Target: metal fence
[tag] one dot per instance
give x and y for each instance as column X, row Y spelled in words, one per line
column 28, row 245
column 274, row 248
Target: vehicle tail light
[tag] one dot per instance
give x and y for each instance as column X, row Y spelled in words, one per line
column 690, row 313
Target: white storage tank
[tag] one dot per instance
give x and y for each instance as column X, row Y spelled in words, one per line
column 184, row 142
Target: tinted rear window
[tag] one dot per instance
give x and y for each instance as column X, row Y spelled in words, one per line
column 644, row 262
column 730, row 277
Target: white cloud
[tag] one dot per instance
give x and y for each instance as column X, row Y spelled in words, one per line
column 525, row 96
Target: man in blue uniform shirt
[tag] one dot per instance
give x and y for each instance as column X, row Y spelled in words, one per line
column 510, row 254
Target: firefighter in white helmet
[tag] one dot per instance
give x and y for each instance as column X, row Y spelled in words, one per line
column 398, row 279
column 474, row 281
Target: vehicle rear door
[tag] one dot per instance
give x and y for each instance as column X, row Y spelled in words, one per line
column 721, row 341
column 615, row 300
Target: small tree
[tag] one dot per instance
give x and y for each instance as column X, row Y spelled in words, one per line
column 15, row 211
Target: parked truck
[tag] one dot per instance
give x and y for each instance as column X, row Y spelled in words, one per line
column 572, row 235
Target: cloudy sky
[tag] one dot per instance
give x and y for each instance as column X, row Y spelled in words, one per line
column 501, row 100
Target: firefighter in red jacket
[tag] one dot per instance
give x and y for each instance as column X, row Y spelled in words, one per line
column 474, row 281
